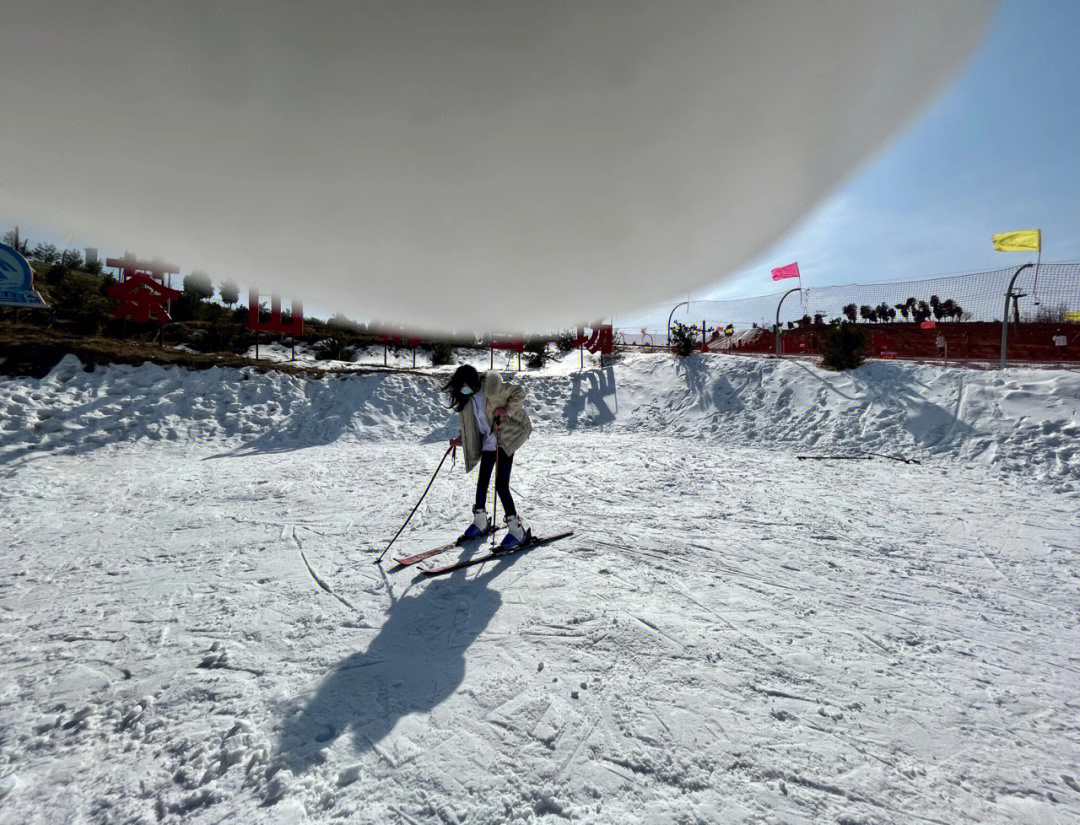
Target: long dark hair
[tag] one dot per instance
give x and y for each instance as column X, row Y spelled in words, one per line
column 464, row 376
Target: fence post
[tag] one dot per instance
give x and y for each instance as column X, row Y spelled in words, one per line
column 1005, row 316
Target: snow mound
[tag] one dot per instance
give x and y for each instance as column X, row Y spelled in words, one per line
column 1023, row 421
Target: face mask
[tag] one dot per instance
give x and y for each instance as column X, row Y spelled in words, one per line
column 466, row 391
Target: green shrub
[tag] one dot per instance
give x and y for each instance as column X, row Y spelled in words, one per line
column 332, row 348
column 536, row 348
column 683, row 339
column 564, row 342
column 442, row 353
column 81, row 300
column 222, row 335
column 842, row 346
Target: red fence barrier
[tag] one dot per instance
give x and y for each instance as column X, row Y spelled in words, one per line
column 977, row 340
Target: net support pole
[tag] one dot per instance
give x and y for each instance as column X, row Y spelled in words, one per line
column 1005, row 316
column 672, row 315
column 780, row 304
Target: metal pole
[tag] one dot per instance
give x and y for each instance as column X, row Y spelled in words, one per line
column 1005, row 317
column 672, row 315
column 1038, row 260
column 414, row 509
column 777, row 327
column 495, row 486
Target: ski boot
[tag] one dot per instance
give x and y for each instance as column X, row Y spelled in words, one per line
column 517, row 535
column 479, row 528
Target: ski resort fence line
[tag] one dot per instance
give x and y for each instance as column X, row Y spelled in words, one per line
column 1048, row 294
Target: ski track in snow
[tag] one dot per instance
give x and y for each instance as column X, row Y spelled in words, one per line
column 193, row 630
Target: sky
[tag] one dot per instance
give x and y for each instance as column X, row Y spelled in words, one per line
column 998, row 151
column 455, row 165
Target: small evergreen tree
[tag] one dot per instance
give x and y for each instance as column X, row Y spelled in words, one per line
column 851, row 312
column 46, row 253
column 343, row 322
column 868, row 313
column 198, row 285
column 842, row 346
column 230, row 292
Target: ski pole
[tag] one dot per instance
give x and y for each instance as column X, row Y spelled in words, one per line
column 414, row 509
column 495, row 486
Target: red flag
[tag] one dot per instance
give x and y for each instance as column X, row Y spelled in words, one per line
column 789, row 271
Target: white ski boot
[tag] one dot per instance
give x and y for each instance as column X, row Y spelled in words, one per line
column 480, row 526
column 516, row 534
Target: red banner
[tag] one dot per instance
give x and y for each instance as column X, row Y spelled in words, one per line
column 512, row 344
column 294, row 326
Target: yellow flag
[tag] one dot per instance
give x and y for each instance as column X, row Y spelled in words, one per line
column 1023, row 240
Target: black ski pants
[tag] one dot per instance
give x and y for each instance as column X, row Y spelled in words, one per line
column 502, row 481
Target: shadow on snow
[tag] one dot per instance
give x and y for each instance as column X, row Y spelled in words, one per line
column 415, row 662
column 595, row 389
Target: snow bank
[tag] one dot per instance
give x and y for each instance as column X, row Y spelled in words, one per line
column 1021, row 420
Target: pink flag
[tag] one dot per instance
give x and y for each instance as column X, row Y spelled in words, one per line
column 789, row 271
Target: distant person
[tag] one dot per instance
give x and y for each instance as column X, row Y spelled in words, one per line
column 1061, row 341
column 494, row 424
column 941, row 345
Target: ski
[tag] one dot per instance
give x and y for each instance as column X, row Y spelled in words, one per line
column 497, row 554
column 427, row 554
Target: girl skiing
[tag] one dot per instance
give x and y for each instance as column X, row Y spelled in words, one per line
column 494, row 425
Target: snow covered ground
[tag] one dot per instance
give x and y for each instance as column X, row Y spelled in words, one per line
column 731, row 635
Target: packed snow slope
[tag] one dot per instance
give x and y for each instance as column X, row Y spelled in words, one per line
column 1026, row 421
column 193, row 631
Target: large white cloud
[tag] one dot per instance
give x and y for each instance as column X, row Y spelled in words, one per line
column 456, row 165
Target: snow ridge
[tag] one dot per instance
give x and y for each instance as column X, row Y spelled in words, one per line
column 1024, row 421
